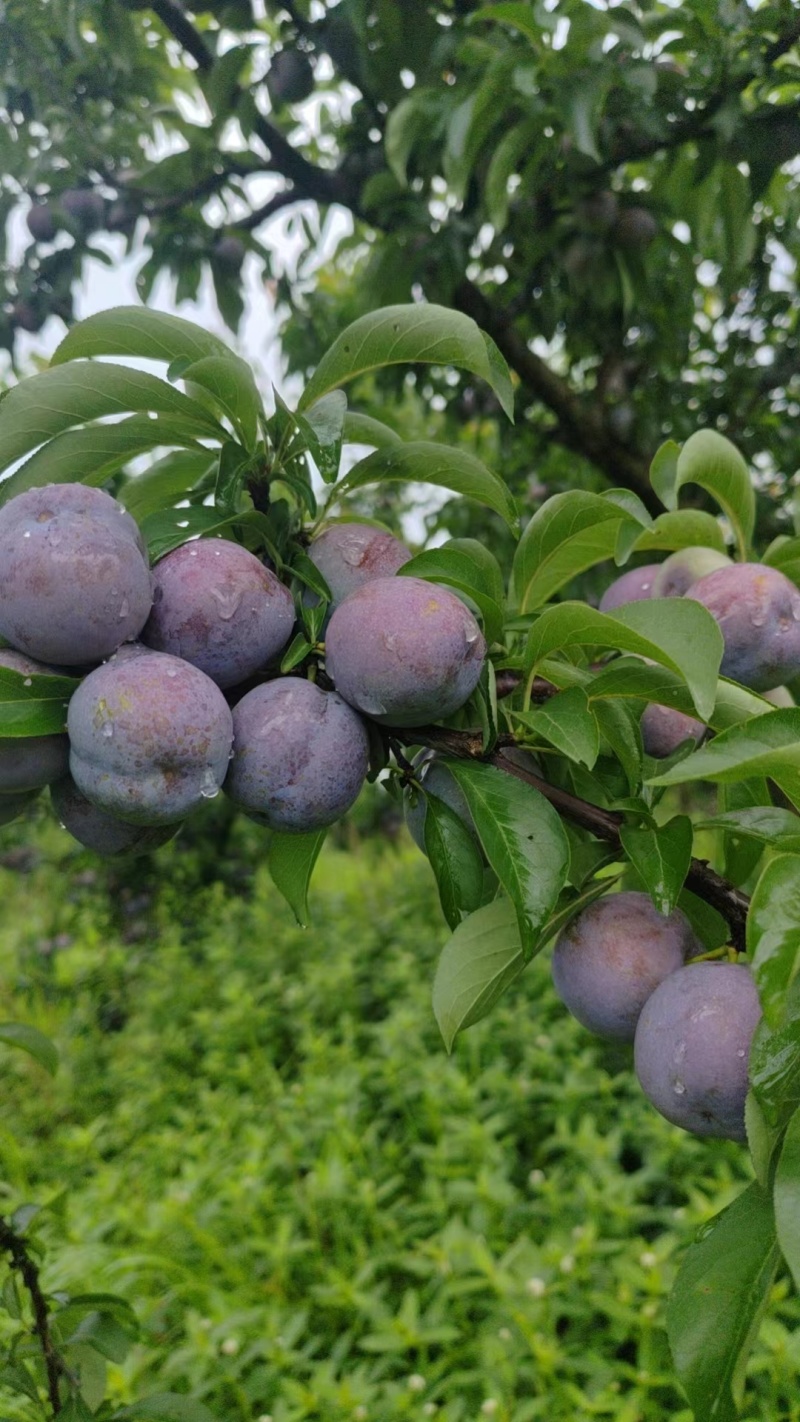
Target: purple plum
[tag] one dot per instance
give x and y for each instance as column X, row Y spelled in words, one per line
column 437, row 780
column 664, row 729
column 758, row 611
column 633, row 586
column 404, row 651
column 300, row 755
column 677, row 573
column 351, row 554
column 217, row 606
column 609, row 959
column 104, row 834
column 692, row 1047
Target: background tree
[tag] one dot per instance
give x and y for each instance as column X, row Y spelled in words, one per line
column 609, row 192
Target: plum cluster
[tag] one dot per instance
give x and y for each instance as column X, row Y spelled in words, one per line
column 757, row 609
column 624, row 971
column 165, row 715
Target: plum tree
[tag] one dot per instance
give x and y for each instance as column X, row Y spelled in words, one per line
column 632, row 586
column 664, row 729
column 300, row 755
column 217, row 606
column 96, row 829
column 437, row 780
column 692, row 1047
column 404, row 652
column 609, row 959
column 29, row 764
column 351, row 554
column 758, row 611
column 677, row 573
column 70, row 536
column 150, row 738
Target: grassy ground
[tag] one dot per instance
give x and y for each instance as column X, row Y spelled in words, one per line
column 260, row 1142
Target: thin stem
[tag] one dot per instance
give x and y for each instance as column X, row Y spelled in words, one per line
column 15, row 1245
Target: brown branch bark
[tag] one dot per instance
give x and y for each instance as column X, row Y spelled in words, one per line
column 703, row 881
column 14, row 1245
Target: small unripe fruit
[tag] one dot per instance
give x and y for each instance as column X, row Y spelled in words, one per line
column 693, row 1044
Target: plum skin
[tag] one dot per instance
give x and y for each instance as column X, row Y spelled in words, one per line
column 678, row 572
column 150, row 737
column 664, row 729
column 101, row 832
column 75, row 578
column 27, row 763
column 633, row 586
column 609, row 959
column 692, row 1047
column 217, row 606
column 404, row 651
column 351, row 554
column 300, row 757
column 758, row 612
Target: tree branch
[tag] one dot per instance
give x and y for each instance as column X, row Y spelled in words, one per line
column 701, row 879
column 14, row 1244
column 173, row 17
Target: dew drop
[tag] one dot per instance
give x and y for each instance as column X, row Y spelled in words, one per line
column 796, row 609
column 172, row 671
column 27, row 533
column 228, row 602
column 471, row 637
column 209, row 788
column 192, row 552
column 124, row 608
column 759, row 617
column 679, row 1088
column 108, row 730
column 741, row 1052
column 217, row 553
column 28, row 681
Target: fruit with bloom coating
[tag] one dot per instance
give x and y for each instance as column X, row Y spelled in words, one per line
column 677, row 573
column 758, row 611
column 101, row 832
column 633, row 586
column 217, row 606
column 609, row 959
column 351, row 554
column 41, row 222
column 74, row 574
column 404, row 651
column 27, row 763
column 150, row 738
column 692, row 1047
column 300, row 755
column 664, row 729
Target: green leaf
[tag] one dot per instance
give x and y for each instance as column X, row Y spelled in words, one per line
column 666, row 630
column 105, row 1334
column 232, row 471
column 569, row 533
column 717, row 1301
column 290, row 860
column 165, row 1407
column 761, row 1139
column 511, row 12
column 428, row 463
column 323, row 426
column 765, row 823
column 773, row 934
column 567, row 722
column 768, row 745
column 54, row 401
column 295, row 653
column 15, row 1377
column 166, row 481
column 664, row 473
column 785, row 556
column 75, row 1410
column 34, row 706
column 683, row 528
column 661, row 856
column 476, row 966
column 463, row 567
column 635, row 679
column 32, row 1041
column 410, row 334
column 230, row 382
column 787, row 1198
column 455, row 860
column 523, row 840
column 775, row 1068
column 139, row 331
column 363, row 429
column 710, row 460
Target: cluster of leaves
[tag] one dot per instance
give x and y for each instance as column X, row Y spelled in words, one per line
column 552, row 841
column 616, row 183
column 330, row 1215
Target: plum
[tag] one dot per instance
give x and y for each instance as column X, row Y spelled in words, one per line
column 41, row 222
column 150, row 738
column 758, row 611
column 351, row 554
column 290, row 77
column 437, row 779
column 103, row 833
column 664, row 729
column 300, row 755
column 83, row 206
column 217, row 606
column 74, row 574
column 633, row 586
column 27, row 763
column 692, row 1047
column 677, row 573
column 404, row 651
column 609, row 959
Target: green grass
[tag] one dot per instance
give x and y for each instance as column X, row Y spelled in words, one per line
column 257, row 1138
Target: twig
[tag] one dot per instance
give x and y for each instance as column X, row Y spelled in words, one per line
column 14, row 1244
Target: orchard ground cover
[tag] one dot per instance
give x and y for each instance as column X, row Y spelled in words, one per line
column 256, row 1137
